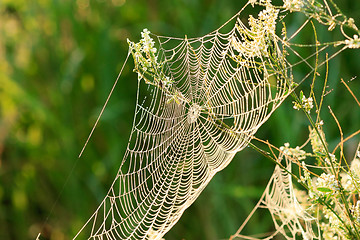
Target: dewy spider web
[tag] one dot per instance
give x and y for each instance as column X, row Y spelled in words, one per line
column 205, row 99
column 291, row 220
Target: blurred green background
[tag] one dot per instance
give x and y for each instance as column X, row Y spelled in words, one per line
column 58, row 62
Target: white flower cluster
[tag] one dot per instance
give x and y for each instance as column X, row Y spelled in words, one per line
column 293, row 5
column 351, row 181
column 146, row 62
column 150, row 69
column 327, row 183
column 330, row 161
column 266, row 21
column 327, row 192
column 353, row 43
column 296, row 152
column 327, row 186
column 147, row 42
column 254, row 42
column 333, row 229
column 324, row 186
column 306, row 103
column 144, row 55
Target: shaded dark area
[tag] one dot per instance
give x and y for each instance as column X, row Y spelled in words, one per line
column 58, row 62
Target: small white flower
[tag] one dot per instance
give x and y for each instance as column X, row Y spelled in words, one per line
column 293, row 5
column 332, row 159
column 327, row 181
column 254, row 43
column 355, row 166
column 252, row 2
column 296, row 152
column 307, row 103
column 354, row 42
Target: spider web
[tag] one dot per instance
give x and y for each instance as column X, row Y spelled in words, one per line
column 291, row 220
column 222, row 88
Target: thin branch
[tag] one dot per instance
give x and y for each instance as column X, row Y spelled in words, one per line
column 351, row 92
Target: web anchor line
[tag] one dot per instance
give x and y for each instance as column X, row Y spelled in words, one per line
column 104, row 106
column 76, row 161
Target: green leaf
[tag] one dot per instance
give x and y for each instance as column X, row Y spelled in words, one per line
column 324, row 189
column 301, row 96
